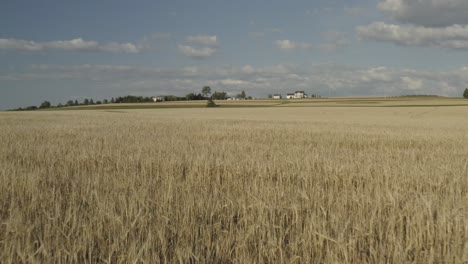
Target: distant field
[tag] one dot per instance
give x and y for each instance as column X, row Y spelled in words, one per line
column 272, row 184
column 334, row 102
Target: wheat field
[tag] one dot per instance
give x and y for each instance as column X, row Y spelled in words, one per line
column 235, row 185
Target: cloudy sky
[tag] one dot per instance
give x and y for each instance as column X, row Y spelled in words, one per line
column 60, row 50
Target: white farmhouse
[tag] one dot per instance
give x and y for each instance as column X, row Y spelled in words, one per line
column 277, row 96
column 296, row 95
column 299, row 94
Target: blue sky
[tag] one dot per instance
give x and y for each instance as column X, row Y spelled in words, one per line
column 67, row 50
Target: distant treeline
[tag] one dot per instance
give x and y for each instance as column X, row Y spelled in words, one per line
column 204, row 95
column 133, row 99
column 116, row 100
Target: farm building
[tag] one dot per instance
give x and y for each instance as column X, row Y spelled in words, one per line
column 296, row 95
column 158, row 99
column 277, row 96
column 299, row 94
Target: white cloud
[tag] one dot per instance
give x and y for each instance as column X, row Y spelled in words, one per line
column 233, row 82
column 93, row 72
column 120, row 48
column 331, row 41
column 207, row 46
column 288, row 45
column 248, row 69
column 259, row 81
column 196, row 53
column 25, row 45
column 203, row 39
column 431, row 13
column 74, row 44
column 77, row 44
column 452, row 37
column 425, row 23
column 22, row 45
column 412, row 83
column 377, row 74
column 271, row 71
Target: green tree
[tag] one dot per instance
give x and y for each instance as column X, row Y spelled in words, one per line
column 69, row 103
column 86, row 101
column 190, row 96
column 32, row 107
column 76, row 102
column 105, row 101
column 219, row 96
column 465, row 93
column 206, row 91
column 45, row 104
column 242, row 95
